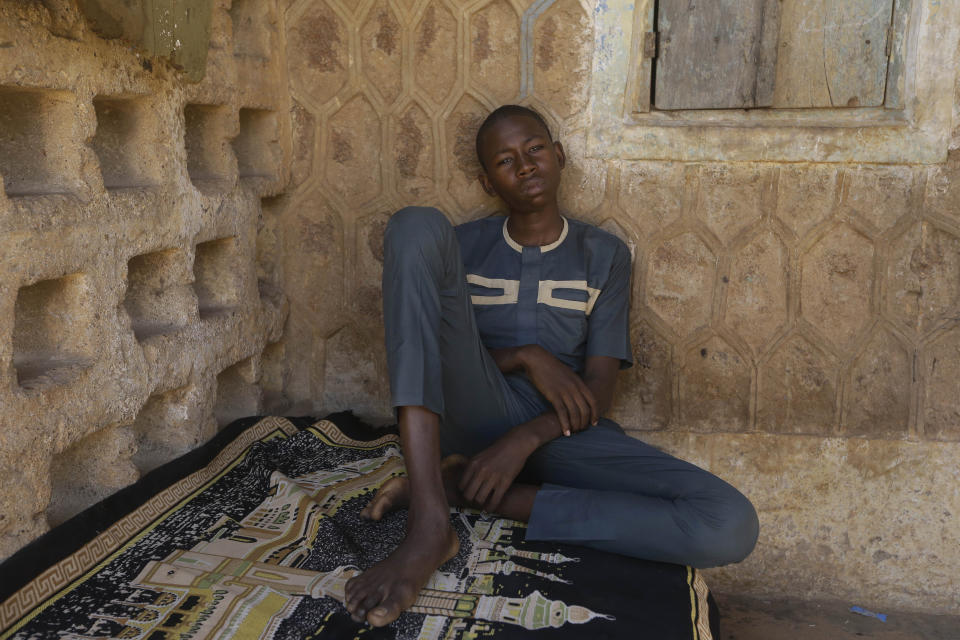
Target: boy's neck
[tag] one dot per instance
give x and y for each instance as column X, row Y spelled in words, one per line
column 535, row 228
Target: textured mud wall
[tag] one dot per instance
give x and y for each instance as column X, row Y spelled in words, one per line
column 386, row 100
column 140, row 304
column 795, row 326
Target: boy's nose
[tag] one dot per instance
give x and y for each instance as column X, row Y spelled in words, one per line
column 526, row 166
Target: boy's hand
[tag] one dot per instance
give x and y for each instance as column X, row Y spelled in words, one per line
column 571, row 398
column 490, row 473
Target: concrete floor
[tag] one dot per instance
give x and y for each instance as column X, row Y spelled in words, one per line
column 767, row 619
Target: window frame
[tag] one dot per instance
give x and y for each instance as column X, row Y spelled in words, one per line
column 917, row 131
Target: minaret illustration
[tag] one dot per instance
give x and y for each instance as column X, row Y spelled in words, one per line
column 247, row 575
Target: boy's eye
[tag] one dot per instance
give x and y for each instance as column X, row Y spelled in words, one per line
column 503, row 161
column 536, row 148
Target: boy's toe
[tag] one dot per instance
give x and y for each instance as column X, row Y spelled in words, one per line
column 384, row 614
column 370, row 602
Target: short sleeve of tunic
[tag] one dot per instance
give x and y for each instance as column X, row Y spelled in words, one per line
column 609, row 325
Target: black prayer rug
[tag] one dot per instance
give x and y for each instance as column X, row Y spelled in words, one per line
column 255, row 534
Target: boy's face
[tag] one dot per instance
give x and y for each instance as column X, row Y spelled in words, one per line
column 521, row 164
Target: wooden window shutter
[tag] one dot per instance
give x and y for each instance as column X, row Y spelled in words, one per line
column 833, row 53
column 743, row 54
column 716, row 54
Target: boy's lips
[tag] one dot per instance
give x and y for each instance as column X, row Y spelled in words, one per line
column 532, row 186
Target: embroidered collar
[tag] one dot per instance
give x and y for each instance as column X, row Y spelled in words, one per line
column 543, row 249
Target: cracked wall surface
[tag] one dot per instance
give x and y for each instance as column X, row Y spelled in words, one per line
column 795, row 325
column 140, row 290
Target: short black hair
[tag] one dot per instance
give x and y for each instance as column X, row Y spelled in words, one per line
column 504, row 112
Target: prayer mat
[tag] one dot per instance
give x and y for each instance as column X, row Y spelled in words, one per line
column 255, row 534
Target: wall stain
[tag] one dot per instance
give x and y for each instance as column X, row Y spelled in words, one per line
column 386, row 38
column 545, row 53
column 465, row 146
column 410, row 143
column 375, row 238
column 320, row 37
column 303, row 126
column 428, row 30
column 880, row 555
column 842, row 264
column 925, row 259
column 342, row 149
column 481, row 42
column 802, row 362
column 318, row 236
column 647, row 350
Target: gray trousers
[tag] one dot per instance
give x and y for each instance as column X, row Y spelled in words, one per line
column 600, row 488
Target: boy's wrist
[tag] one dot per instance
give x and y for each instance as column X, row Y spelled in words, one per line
column 525, row 354
column 510, row 359
column 537, row 432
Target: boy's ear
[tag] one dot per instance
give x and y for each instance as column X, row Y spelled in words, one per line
column 561, row 155
column 486, row 184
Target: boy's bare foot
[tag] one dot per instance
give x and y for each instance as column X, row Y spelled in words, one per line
column 382, row 592
column 392, row 495
column 395, row 493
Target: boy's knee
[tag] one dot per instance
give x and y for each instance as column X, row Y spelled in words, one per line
column 415, row 224
column 734, row 538
column 420, row 238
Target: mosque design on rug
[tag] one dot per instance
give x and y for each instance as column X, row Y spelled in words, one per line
column 246, row 577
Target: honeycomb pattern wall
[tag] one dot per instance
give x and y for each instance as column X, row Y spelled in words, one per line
column 794, row 298
column 795, row 325
column 138, row 282
column 386, row 99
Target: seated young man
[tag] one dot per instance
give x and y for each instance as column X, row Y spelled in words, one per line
column 504, row 337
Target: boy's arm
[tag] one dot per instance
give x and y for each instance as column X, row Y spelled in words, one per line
column 574, row 400
column 491, row 472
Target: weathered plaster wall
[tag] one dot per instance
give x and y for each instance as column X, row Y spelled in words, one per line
column 794, row 324
column 140, row 303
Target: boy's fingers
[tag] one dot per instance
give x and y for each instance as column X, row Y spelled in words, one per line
column 594, row 411
column 479, row 488
column 482, row 494
column 562, row 417
column 590, row 400
column 579, row 409
column 584, row 409
column 495, row 498
column 584, row 414
column 573, row 413
column 473, row 491
column 464, row 479
column 469, row 483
